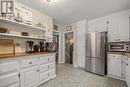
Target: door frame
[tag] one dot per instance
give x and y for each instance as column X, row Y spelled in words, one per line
column 59, row 53
column 73, row 48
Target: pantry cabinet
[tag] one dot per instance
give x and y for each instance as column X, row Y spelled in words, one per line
column 127, row 71
column 116, row 66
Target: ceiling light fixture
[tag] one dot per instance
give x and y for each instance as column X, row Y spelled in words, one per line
column 48, row 1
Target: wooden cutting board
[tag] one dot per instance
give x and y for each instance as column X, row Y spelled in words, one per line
column 18, row 48
column 6, row 46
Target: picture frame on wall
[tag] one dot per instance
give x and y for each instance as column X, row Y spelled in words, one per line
column 56, row 27
column 69, row 28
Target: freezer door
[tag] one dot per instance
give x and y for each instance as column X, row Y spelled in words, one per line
column 88, row 64
column 99, row 66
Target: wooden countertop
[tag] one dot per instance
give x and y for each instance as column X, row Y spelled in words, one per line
column 120, row 53
column 4, row 56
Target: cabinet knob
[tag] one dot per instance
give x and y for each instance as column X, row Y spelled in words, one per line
column 48, row 59
column 48, row 66
column 48, row 74
column 37, row 70
column 30, row 62
column 126, row 64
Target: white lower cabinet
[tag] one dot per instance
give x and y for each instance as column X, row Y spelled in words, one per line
column 27, row 71
column 9, row 74
column 127, row 71
column 116, row 66
column 30, row 77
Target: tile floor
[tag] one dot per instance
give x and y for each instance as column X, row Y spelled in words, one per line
column 68, row 76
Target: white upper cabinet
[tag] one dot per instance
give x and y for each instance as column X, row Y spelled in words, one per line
column 116, row 24
column 97, row 25
column 118, row 27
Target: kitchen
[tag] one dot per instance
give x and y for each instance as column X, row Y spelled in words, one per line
column 37, row 50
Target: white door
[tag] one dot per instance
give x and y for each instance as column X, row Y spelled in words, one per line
column 30, row 77
column 114, row 67
column 127, row 71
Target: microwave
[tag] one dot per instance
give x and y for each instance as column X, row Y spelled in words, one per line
column 119, row 47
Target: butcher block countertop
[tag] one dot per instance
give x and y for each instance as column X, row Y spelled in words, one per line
column 121, row 53
column 3, row 56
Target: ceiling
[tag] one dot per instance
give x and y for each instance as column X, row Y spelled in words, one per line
column 70, row 11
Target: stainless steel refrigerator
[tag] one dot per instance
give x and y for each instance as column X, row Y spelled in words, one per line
column 96, row 61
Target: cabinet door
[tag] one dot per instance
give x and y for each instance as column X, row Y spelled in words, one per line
column 118, row 26
column 127, row 71
column 9, row 74
column 99, row 24
column 30, row 77
column 114, row 67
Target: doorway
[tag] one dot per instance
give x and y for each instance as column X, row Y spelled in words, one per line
column 69, row 47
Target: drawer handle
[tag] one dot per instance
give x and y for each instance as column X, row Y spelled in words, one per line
column 30, row 62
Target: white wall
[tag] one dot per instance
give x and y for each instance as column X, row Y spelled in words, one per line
column 79, row 29
column 96, row 25
column 80, row 40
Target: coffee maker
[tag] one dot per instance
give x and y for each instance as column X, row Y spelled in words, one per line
column 42, row 46
column 29, row 46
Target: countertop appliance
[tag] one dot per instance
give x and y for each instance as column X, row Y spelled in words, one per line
column 95, row 60
column 119, row 46
column 42, row 46
column 36, row 48
column 29, row 46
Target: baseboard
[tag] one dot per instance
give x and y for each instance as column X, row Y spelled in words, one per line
column 75, row 66
column 116, row 77
column 81, row 67
column 61, row 62
column 128, row 84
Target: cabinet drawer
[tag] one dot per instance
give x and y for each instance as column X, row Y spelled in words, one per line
column 29, row 63
column 46, row 67
column 47, row 59
column 47, row 75
column 44, row 76
column 52, row 73
column 10, row 80
column 9, row 66
column 115, row 56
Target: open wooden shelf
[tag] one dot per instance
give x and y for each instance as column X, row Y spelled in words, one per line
column 20, row 36
column 4, row 20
